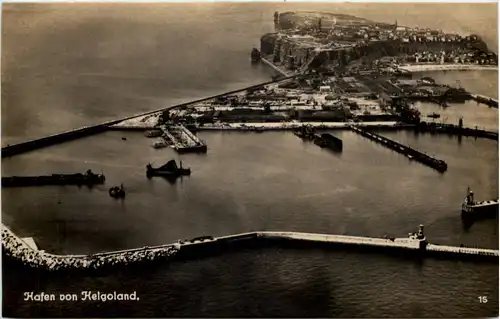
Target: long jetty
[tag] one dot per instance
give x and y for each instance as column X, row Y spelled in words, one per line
column 11, row 150
column 485, row 100
column 182, row 140
column 28, row 254
column 411, row 153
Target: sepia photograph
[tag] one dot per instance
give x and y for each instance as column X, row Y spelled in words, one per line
column 249, row 159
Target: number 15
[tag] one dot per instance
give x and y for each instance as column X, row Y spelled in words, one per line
column 482, row 299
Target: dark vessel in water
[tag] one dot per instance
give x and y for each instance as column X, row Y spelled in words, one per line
column 168, row 170
column 329, row 141
column 89, row 179
column 472, row 209
column 117, row 192
column 255, row 55
column 434, row 115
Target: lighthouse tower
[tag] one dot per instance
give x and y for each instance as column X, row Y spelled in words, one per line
column 420, row 236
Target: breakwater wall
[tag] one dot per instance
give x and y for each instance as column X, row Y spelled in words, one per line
column 27, row 146
column 491, row 102
column 425, row 159
column 455, row 130
column 24, row 147
column 19, row 251
column 79, row 179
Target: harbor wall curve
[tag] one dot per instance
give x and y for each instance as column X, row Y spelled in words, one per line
column 18, row 251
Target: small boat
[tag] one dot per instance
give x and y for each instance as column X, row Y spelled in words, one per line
column 117, row 192
column 434, row 115
column 154, row 133
column 332, row 142
column 168, row 170
column 124, row 138
column 255, row 55
column 305, row 132
column 160, row 144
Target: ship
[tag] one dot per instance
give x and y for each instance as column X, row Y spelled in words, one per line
column 434, row 115
column 89, row 179
column 255, row 55
column 327, row 140
column 478, row 209
column 332, row 142
column 117, row 192
column 168, row 170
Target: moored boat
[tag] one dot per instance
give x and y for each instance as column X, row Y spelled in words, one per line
column 117, row 192
column 434, row 115
column 332, row 142
column 168, row 170
column 255, row 55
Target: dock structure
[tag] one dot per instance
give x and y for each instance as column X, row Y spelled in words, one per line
column 491, row 102
column 183, row 140
column 404, row 243
column 458, row 251
column 478, row 209
column 324, row 140
column 412, row 154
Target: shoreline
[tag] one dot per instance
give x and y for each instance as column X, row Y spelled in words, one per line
column 269, row 126
column 416, row 68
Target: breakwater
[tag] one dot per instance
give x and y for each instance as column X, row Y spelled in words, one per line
column 58, row 138
column 11, row 150
column 17, row 250
column 79, row 179
column 412, row 154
